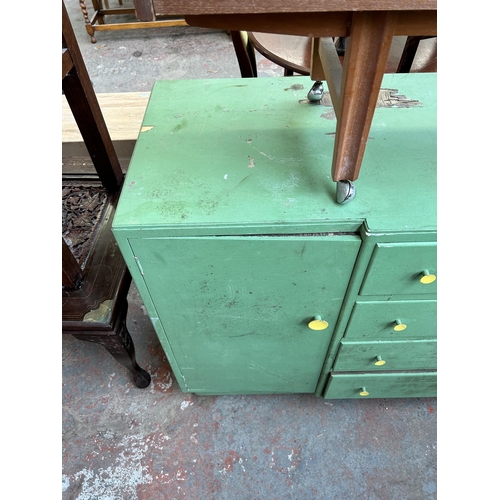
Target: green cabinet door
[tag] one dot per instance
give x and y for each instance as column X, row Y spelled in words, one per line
column 393, row 320
column 236, row 310
column 401, row 268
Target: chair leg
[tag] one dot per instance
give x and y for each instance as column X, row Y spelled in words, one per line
column 120, row 345
column 340, row 45
column 88, row 24
column 244, row 54
column 409, row 52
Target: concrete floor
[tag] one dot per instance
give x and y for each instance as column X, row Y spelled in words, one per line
column 132, row 60
column 124, row 443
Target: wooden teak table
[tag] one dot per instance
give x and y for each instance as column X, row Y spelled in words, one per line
column 369, row 25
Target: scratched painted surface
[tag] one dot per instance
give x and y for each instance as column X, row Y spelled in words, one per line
column 253, row 156
column 236, row 309
column 124, row 443
column 237, row 151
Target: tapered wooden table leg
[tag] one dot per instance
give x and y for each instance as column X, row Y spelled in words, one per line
column 365, row 60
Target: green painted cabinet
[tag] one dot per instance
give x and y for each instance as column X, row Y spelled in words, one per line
column 255, row 279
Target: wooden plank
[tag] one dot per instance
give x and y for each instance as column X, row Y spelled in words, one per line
column 315, row 24
column 197, row 7
column 415, row 23
column 312, row 24
column 67, row 63
column 168, row 23
column 109, row 12
column 81, row 97
column 123, row 113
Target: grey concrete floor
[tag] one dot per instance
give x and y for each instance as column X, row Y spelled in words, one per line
column 124, row 443
column 132, row 60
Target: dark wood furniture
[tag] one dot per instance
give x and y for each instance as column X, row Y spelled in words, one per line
column 293, row 53
column 409, row 53
column 95, row 278
column 142, row 10
column 369, row 25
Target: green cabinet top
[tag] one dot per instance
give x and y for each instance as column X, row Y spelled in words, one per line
column 231, row 153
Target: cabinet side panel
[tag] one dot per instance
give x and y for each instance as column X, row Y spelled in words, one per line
column 135, row 270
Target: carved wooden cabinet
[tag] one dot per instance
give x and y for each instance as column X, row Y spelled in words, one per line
column 95, row 279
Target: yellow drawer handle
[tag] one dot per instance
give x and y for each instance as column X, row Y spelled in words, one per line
column 427, row 278
column 400, row 326
column 380, row 361
column 364, row 392
column 318, row 323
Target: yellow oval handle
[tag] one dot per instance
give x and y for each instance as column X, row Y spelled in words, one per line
column 364, row 392
column 380, row 361
column 427, row 278
column 318, row 323
column 400, row 326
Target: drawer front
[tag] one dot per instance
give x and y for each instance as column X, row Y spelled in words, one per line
column 397, row 355
column 382, row 385
column 394, row 320
column 403, row 268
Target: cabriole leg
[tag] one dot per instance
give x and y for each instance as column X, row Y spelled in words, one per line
column 120, row 345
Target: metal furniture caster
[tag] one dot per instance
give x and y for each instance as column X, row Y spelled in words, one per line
column 346, row 191
column 316, row 92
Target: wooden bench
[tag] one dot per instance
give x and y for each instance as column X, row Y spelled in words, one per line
column 123, row 113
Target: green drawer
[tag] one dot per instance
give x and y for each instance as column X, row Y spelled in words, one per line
column 398, row 355
column 397, row 269
column 394, row 320
column 382, row 385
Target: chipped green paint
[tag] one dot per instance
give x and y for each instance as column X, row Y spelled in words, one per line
column 229, row 225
